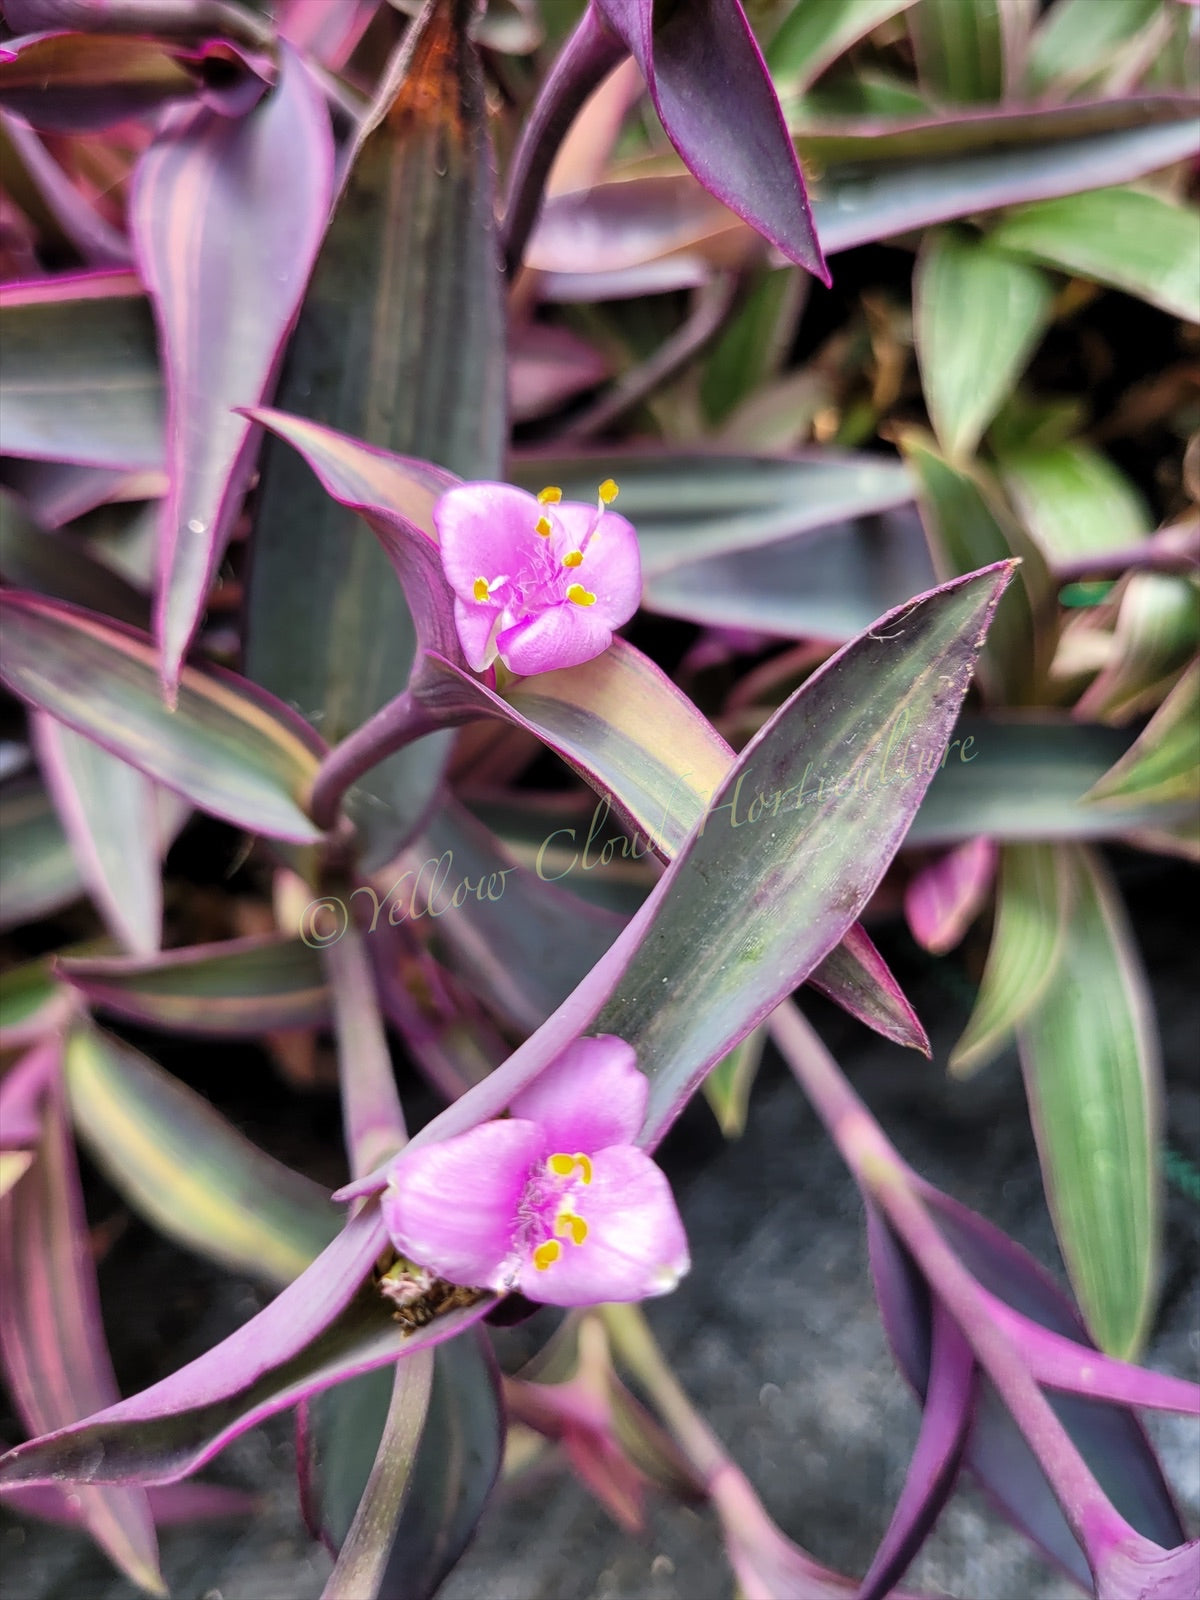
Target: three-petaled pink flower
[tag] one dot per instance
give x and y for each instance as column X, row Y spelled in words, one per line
column 539, row 581
column 554, row 1200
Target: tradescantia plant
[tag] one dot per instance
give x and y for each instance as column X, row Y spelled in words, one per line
column 266, row 320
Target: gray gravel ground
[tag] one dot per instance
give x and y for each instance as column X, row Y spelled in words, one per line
column 775, row 1335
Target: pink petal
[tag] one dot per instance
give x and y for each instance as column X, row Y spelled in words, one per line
column 635, row 1245
column 453, row 1207
column 474, row 623
column 486, row 530
column 612, row 563
column 592, row 1097
column 564, row 635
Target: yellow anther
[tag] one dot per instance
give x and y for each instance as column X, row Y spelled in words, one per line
column 580, row 595
column 563, row 1165
column 573, row 558
column 546, row 1254
column 550, row 496
column 542, row 526
column 480, row 589
column 608, row 492
column 568, row 1225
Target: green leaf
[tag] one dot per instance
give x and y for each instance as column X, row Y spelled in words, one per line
column 813, row 36
column 727, row 1087
column 40, row 874
column 186, row 1170
column 1027, row 780
column 1125, row 238
column 1156, row 633
column 977, row 316
column 80, row 379
column 1079, row 39
column 61, row 567
column 1074, row 501
column 30, row 1001
column 968, row 526
column 226, row 746
column 411, row 1527
column 238, row 989
column 754, row 342
column 1163, row 763
column 400, row 343
column 1032, row 908
column 959, row 46
column 1092, row 1074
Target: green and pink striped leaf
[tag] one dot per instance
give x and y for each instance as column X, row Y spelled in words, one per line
column 237, row 989
column 51, row 1336
column 227, row 746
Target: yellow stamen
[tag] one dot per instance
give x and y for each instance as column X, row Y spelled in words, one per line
column 573, row 558
column 550, row 496
column 608, row 492
column 480, row 589
column 546, row 1254
column 542, row 526
column 568, row 1225
column 563, row 1165
column 580, row 595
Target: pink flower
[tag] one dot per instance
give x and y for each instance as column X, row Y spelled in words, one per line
column 539, row 581
column 554, row 1200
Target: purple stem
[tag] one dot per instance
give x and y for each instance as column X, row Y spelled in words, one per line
column 399, row 723
column 706, row 319
column 882, row 1173
column 372, row 1116
column 586, row 59
column 1178, row 555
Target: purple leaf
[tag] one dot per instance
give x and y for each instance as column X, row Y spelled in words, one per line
column 239, row 988
column 176, row 19
column 714, row 96
column 329, row 1325
column 1140, row 1570
column 51, row 1335
column 227, row 217
column 1077, row 1368
column 86, row 82
column 1110, row 1438
column 172, row 1505
column 324, row 30
column 856, row 977
column 23, row 1090
column 56, row 492
column 108, row 812
column 98, row 242
column 945, row 897
column 549, row 365
column 396, row 495
column 945, row 1419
